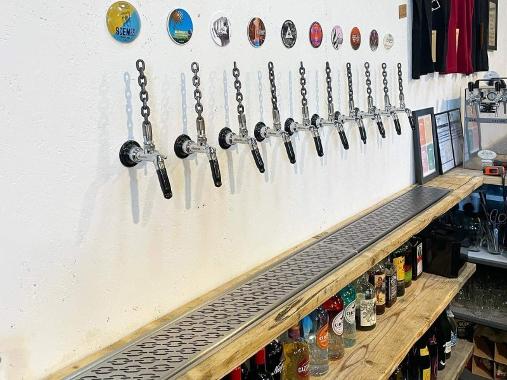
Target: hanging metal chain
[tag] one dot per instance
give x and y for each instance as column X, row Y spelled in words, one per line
column 368, row 82
column 143, row 95
column 302, row 80
column 328, row 83
column 274, row 99
column 384, row 81
column 349, row 79
column 237, row 86
column 196, row 81
column 400, row 86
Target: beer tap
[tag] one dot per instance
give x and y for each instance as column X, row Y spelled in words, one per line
column 402, row 107
column 389, row 110
column 501, row 95
column 373, row 112
column 228, row 138
column 355, row 114
column 185, row 146
column 292, row 126
column 131, row 152
column 475, row 94
column 261, row 131
column 334, row 118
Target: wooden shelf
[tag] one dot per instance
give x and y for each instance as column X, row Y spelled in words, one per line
column 378, row 352
column 487, row 179
column 241, row 346
column 494, row 319
column 456, row 364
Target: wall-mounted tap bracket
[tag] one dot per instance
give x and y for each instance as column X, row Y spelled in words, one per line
column 373, row 113
column 131, row 152
column 389, row 109
column 262, row 131
column 228, row 138
column 292, row 126
column 184, row 146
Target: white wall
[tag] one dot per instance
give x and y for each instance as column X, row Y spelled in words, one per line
column 91, row 250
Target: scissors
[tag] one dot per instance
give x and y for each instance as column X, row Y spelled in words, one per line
column 497, row 218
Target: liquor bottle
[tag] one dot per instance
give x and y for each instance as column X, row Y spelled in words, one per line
column 334, row 308
column 417, row 257
column 399, row 264
column 454, row 329
column 348, row 294
column 235, row 374
column 444, row 339
column 366, row 317
column 378, row 280
column 433, row 350
column 260, row 372
column 274, row 359
column 318, row 342
column 391, row 284
column 423, row 360
column 407, row 267
column 296, row 356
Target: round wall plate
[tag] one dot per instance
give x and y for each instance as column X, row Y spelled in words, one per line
column 316, row 34
column 289, row 34
column 180, row 26
column 355, row 38
column 123, row 22
column 337, row 36
column 373, row 40
column 220, row 28
column 256, row 32
column 388, row 41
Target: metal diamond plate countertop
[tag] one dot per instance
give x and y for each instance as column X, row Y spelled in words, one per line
column 176, row 347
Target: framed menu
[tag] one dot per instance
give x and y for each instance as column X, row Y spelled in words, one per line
column 456, row 135
column 450, row 139
column 426, row 155
column 493, row 25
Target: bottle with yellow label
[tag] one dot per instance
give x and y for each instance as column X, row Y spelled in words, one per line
column 398, row 258
column 423, row 360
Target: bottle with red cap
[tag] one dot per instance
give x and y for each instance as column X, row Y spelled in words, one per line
column 260, row 372
column 235, row 374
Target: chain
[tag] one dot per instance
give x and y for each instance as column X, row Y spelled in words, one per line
column 384, row 81
column 237, row 86
column 400, row 86
column 349, row 79
column 328, row 82
column 143, row 95
column 274, row 99
column 196, row 81
column 368, row 82
column 302, row 80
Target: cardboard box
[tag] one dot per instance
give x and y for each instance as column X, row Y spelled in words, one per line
column 501, row 353
column 483, row 367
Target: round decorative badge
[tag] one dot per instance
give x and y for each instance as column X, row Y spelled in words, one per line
column 355, row 38
column 373, row 40
column 180, row 26
column 388, row 41
column 123, row 22
column 256, row 32
column 337, row 36
column 316, row 34
column 220, row 30
column 289, row 34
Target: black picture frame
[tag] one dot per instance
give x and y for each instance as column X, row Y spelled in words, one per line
column 457, row 135
column 493, row 24
column 450, row 139
column 426, row 154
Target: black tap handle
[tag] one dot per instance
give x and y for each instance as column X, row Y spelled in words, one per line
column 318, row 145
column 343, row 138
column 381, row 129
column 397, row 125
column 258, row 159
column 215, row 172
column 362, row 132
column 471, row 86
column 411, row 121
column 290, row 151
column 163, row 179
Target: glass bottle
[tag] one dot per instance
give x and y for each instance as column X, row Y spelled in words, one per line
column 407, row 267
column 334, row 308
column 318, row 342
column 454, row 330
column 296, row 356
column 399, row 264
column 423, row 359
column 366, row 316
column 235, row 374
column 274, row 359
column 378, row 280
column 433, row 350
column 391, row 284
column 260, row 372
column 444, row 339
column 348, row 294
column 417, row 257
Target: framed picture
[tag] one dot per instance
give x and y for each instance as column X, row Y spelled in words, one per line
column 456, row 135
column 493, row 25
column 450, row 139
column 425, row 146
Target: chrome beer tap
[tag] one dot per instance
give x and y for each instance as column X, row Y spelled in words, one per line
column 334, row 118
column 501, row 95
column 261, row 131
column 185, row 146
column 131, row 152
column 355, row 114
column 292, row 126
column 228, row 138
column 402, row 107
column 474, row 93
column 373, row 112
column 389, row 110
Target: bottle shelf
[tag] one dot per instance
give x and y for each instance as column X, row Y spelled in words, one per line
column 378, row 352
column 455, row 365
column 471, row 313
column 485, row 258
